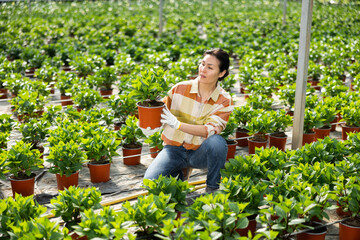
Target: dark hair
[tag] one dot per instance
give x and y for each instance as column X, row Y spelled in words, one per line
column 223, row 58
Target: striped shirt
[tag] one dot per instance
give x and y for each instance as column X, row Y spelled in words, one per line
column 184, row 102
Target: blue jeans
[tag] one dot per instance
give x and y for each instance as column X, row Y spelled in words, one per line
column 172, row 159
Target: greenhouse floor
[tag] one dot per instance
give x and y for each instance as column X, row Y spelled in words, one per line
column 126, row 181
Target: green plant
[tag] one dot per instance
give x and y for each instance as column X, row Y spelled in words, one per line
column 350, row 114
column 86, row 98
column 281, row 122
column 327, row 113
column 177, row 189
column 15, row 210
column 6, row 123
column 124, row 64
column 46, row 74
column 15, row 82
column 262, row 86
column 315, row 71
column 66, row 131
column 287, row 96
column 121, row 106
column 260, row 125
column 28, row 105
column 105, row 77
column 52, row 112
column 100, row 145
column 102, row 116
column 244, row 190
column 40, row 228
column 86, row 65
column 259, row 101
column 243, row 114
column 311, row 120
column 65, row 158
column 34, row 131
column 65, row 81
column 131, row 133
column 149, row 212
column 23, row 160
column 228, row 83
column 155, row 140
column 74, row 200
column 218, row 208
column 149, row 86
column 230, row 129
column 3, row 164
column 105, row 224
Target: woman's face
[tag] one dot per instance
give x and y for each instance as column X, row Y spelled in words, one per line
column 209, row 70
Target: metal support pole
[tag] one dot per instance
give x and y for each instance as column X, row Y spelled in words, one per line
column 284, row 13
column 302, row 71
column 160, row 17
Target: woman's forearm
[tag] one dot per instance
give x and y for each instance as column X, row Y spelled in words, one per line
column 196, row 130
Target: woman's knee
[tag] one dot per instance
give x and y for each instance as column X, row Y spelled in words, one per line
column 216, row 143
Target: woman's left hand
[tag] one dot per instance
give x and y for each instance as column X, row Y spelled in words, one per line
column 168, row 118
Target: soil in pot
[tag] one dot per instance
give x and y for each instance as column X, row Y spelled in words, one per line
column 131, row 154
column 65, row 182
column 350, row 229
column 99, row 172
column 321, row 133
column 66, row 100
column 242, row 133
column 251, row 227
column 231, row 149
column 319, row 232
column 23, row 186
column 106, row 93
column 278, row 140
column 347, row 129
column 150, row 114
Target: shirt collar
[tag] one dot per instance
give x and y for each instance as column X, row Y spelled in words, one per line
column 195, row 89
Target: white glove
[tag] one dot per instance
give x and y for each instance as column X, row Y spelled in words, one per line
column 148, row 131
column 168, row 118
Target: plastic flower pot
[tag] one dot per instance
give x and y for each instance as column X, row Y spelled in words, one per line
column 65, row 182
column 347, row 129
column 242, row 134
column 253, row 144
column 319, row 233
column 231, row 150
column 321, row 133
column 25, row 187
column 308, row 138
column 66, row 100
column 131, row 155
column 348, row 232
column 150, row 116
column 154, row 152
column 251, row 227
column 278, row 142
column 99, row 172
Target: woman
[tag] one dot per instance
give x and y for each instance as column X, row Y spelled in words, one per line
column 196, row 112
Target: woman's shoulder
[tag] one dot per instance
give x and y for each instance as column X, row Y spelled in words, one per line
column 184, row 83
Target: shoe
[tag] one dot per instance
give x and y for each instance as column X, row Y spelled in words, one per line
column 210, row 190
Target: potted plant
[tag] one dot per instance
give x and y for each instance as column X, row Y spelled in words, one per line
column 287, row 97
column 155, row 143
column 315, row 71
column 15, row 82
column 227, row 215
column 311, row 119
column 277, row 136
column 176, row 188
column 17, row 209
column 259, row 127
column 6, row 123
column 242, row 115
column 93, row 223
column 130, row 134
column 105, row 78
column 64, row 83
column 66, row 160
column 47, row 74
column 228, row 135
column 259, row 101
column 34, row 132
column 66, row 130
column 21, row 162
column 86, row 98
column 85, row 65
column 100, row 147
column 327, row 114
column 121, row 106
column 244, row 190
column 28, row 106
column 148, row 214
column 351, row 116
column 347, row 192
column 148, row 88
column 72, row 201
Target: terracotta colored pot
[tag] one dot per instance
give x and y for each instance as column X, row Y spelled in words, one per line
column 65, row 182
column 3, row 93
column 317, row 234
column 340, row 212
column 333, row 126
column 347, row 232
column 253, row 144
column 66, row 102
column 128, row 152
column 308, row 138
column 290, row 113
column 315, row 84
column 150, row 116
column 321, row 133
column 231, row 150
column 154, row 152
column 346, row 130
column 106, row 93
column 99, row 172
column 251, row 227
column 278, row 142
column 242, row 134
column 25, row 187
column 76, row 237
